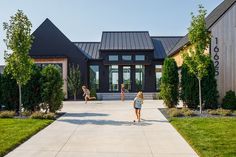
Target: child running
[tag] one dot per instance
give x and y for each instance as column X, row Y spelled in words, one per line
column 138, row 101
column 87, row 94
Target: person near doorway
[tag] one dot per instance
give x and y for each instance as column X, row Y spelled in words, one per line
column 138, row 102
column 122, row 92
column 87, row 94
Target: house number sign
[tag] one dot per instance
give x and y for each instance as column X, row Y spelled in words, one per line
column 216, row 57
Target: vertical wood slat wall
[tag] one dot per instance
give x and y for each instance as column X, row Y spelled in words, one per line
column 225, row 32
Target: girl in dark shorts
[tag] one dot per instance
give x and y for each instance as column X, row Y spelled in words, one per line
column 138, row 101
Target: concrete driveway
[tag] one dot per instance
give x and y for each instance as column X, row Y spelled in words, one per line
column 105, row 129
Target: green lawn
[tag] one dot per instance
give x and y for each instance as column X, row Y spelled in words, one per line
column 210, row 137
column 15, row 131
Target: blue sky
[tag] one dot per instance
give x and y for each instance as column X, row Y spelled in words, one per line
column 84, row 20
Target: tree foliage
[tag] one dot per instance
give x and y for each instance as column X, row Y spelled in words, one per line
column 18, row 40
column 52, row 93
column 74, row 79
column 31, row 91
column 199, row 37
column 169, row 83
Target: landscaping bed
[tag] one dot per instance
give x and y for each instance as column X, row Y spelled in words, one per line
column 15, row 131
column 209, row 136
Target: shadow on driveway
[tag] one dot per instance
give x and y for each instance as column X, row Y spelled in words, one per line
column 75, row 119
column 85, row 114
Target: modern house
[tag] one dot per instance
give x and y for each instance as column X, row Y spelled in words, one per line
column 134, row 58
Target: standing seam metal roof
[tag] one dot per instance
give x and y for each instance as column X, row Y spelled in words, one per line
column 136, row 40
column 90, row 49
column 163, row 45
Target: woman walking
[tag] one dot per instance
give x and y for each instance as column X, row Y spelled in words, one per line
column 138, row 101
column 87, row 94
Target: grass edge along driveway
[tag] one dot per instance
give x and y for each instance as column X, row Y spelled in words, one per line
column 13, row 132
column 209, row 137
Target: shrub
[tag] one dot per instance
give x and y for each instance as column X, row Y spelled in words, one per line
column 50, row 115
column 210, row 93
column 52, row 93
column 7, row 114
column 42, row 115
column 10, row 95
column 229, row 101
column 93, row 92
column 169, row 83
column 31, row 91
column 187, row 112
column 220, row 111
column 174, row 112
column 26, row 113
column 189, row 88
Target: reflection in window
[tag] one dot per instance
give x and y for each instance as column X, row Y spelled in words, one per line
column 113, row 57
column 127, row 77
column 139, row 57
column 94, row 76
column 126, row 58
column 158, row 70
column 113, row 78
column 57, row 65
column 139, row 77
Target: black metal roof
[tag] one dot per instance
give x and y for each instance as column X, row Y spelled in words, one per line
column 50, row 41
column 163, row 45
column 90, row 49
column 127, row 40
column 211, row 19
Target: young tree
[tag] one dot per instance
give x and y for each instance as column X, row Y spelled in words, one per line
column 170, row 82
column 196, row 60
column 18, row 40
column 51, row 91
column 74, row 79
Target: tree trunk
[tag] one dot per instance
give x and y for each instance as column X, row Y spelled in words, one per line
column 20, row 103
column 200, row 95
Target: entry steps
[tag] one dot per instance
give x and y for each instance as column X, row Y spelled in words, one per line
column 128, row 96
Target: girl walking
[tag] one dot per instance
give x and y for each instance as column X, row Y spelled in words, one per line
column 138, row 101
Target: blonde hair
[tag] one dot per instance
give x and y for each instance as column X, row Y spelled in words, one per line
column 140, row 95
column 84, row 87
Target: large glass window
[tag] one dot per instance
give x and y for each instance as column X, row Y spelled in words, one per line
column 113, row 78
column 94, row 76
column 126, row 77
column 158, row 70
column 139, row 57
column 57, row 65
column 113, row 57
column 139, row 76
column 126, row 57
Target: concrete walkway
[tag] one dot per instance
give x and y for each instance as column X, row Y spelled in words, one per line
column 105, row 129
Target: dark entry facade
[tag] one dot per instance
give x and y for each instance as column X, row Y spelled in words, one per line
column 132, row 58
